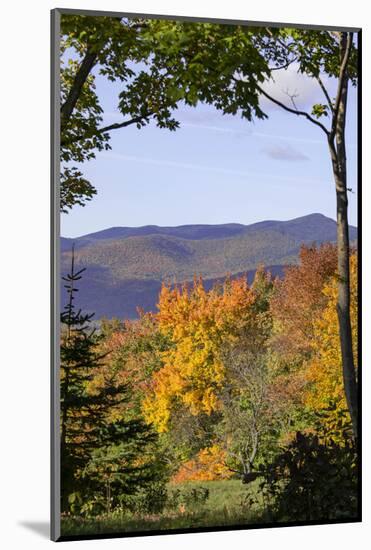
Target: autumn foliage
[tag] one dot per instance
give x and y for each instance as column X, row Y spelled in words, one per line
column 324, row 370
column 229, row 374
column 198, row 323
column 299, row 299
column 209, row 464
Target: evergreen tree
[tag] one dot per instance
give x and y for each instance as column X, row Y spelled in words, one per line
column 106, row 453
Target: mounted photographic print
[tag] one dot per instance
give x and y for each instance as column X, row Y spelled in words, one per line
column 205, row 266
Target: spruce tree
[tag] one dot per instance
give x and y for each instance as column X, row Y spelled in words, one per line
column 106, row 455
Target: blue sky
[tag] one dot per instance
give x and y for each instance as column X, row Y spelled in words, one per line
column 215, row 168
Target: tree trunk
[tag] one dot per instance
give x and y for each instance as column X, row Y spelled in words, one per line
column 81, row 76
column 343, row 309
column 338, row 157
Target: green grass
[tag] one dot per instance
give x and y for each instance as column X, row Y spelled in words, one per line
column 225, row 506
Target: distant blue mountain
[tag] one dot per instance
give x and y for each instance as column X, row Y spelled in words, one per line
column 192, row 232
column 125, row 266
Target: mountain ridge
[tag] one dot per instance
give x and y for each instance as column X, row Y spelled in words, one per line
column 126, row 231
column 125, row 265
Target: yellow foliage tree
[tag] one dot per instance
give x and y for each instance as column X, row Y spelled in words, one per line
column 196, row 322
column 324, row 371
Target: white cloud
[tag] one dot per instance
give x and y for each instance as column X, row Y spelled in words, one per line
column 290, row 81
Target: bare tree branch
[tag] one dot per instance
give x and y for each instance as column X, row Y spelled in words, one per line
column 292, row 98
column 294, row 111
column 333, row 109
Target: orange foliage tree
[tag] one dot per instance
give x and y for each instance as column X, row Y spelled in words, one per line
column 295, row 305
column 197, row 323
column 306, row 340
column 209, row 464
column 298, row 300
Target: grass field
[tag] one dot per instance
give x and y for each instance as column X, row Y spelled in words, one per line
column 226, row 505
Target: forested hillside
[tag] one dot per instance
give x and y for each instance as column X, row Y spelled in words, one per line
column 127, row 265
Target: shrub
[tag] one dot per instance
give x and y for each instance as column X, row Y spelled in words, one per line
column 312, row 480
